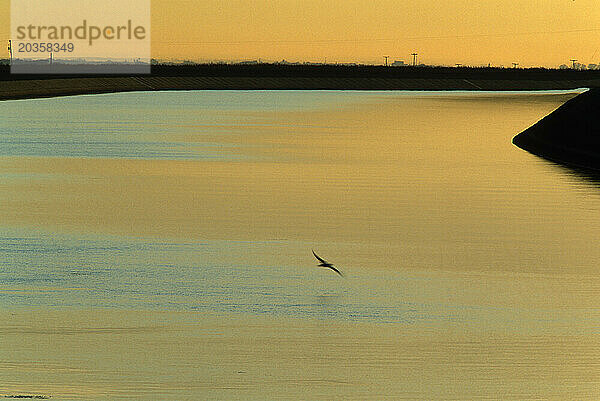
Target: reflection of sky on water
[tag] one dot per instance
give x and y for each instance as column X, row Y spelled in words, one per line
column 470, row 265
column 135, row 125
column 414, row 186
column 69, row 272
column 223, row 277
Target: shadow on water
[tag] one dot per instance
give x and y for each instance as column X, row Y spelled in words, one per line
column 327, row 299
column 586, row 176
column 582, row 180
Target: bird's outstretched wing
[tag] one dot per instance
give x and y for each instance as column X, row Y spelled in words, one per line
column 325, row 263
column 320, row 259
column 336, row 270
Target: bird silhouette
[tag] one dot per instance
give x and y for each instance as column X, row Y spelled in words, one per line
column 325, row 263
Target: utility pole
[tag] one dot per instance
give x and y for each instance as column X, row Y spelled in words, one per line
column 10, row 50
column 515, row 65
column 573, row 60
column 458, row 64
column 414, row 58
column 50, row 57
column 386, row 60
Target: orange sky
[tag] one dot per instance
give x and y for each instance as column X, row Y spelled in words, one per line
column 531, row 32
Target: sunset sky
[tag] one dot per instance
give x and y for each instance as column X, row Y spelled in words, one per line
column 500, row 32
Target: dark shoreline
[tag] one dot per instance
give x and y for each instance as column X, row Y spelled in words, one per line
column 294, row 77
column 28, row 89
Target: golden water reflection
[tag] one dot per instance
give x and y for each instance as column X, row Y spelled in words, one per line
column 421, row 199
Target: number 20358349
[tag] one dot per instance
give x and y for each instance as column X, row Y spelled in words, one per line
column 45, row 47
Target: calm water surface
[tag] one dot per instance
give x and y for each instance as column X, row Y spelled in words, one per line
column 158, row 246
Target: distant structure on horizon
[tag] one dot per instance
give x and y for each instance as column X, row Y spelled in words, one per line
column 578, row 66
column 399, row 63
column 573, row 60
column 414, row 55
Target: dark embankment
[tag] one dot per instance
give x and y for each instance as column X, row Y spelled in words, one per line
column 294, row 77
column 570, row 135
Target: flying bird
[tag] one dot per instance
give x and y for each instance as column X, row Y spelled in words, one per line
column 325, row 263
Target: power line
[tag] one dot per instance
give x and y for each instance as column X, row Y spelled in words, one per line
column 396, row 39
column 480, row 35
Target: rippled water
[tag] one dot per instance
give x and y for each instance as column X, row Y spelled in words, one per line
column 158, row 246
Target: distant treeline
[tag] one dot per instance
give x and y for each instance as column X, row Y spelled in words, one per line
column 333, row 71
